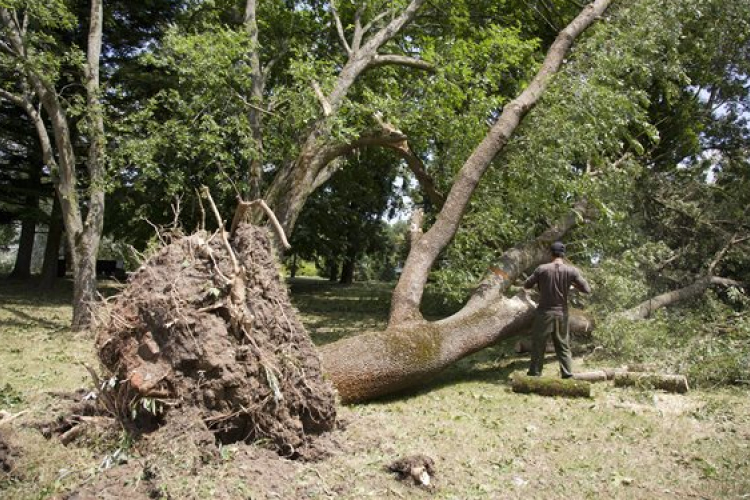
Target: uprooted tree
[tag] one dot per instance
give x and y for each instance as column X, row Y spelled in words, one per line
column 412, row 349
column 206, row 328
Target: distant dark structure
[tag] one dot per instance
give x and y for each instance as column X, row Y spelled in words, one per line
column 112, row 269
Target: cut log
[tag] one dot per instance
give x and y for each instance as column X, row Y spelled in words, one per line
column 611, row 372
column 669, row 383
column 548, row 386
column 592, row 376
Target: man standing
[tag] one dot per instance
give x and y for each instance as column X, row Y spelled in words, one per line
column 554, row 280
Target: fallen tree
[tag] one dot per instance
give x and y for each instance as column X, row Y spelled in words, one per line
column 412, row 349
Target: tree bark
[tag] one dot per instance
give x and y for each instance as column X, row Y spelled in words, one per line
column 593, row 376
column 52, row 248
column 545, row 386
column 411, row 350
column 22, row 266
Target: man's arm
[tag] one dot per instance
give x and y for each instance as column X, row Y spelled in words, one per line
column 580, row 283
column 532, row 280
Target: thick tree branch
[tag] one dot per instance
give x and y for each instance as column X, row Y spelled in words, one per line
column 375, row 20
column 647, row 307
column 415, row 164
column 324, row 103
column 14, row 98
column 522, row 257
column 16, row 47
column 360, row 59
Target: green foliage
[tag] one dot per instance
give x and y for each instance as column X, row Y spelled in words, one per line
column 346, row 219
column 595, row 111
column 705, row 340
column 9, row 397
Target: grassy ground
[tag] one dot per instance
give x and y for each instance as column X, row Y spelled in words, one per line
column 487, row 442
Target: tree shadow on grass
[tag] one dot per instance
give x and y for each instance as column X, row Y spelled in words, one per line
column 24, row 320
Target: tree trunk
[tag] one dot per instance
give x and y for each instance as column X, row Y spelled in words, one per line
column 347, row 268
column 333, row 271
column 52, row 249
column 293, row 267
column 546, row 386
column 83, row 235
column 379, row 363
column 22, row 266
column 84, row 283
column 347, row 272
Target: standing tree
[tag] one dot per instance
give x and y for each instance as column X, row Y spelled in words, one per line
column 27, row 54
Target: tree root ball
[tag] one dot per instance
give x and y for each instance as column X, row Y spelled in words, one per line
column 207, row 323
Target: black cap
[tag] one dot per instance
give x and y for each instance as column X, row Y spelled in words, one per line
column 557, row 248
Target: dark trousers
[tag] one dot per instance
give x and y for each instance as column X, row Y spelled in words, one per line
column 546, row 324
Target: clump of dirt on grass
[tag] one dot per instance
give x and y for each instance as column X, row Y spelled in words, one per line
column 207, row 323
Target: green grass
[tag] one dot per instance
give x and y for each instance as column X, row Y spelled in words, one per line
column 487, row 441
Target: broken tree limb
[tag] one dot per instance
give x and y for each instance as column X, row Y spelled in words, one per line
column 669, row 383
column 547, row 386
column 647, row 307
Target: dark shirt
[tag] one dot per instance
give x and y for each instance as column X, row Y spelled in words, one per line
column 554, row 280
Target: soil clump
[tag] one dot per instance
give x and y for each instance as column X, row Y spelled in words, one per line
column 207, row 324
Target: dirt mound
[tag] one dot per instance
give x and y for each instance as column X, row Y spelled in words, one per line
column 207, row 323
